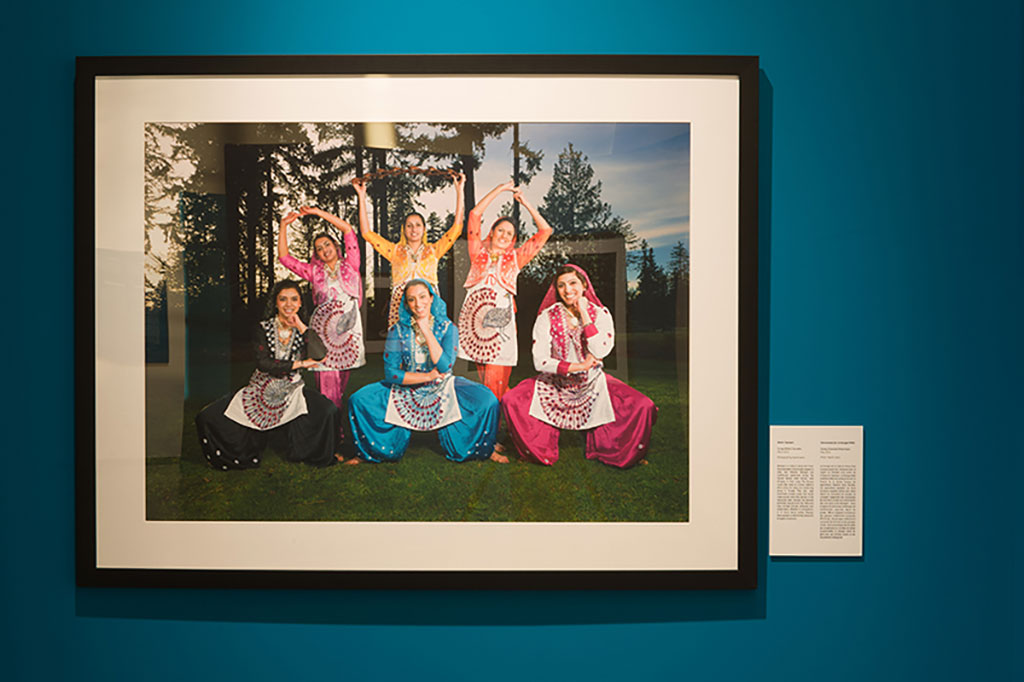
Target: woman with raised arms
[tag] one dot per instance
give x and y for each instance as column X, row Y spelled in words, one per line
column 487, row 322
column 234, row 430
column 337, row 294
column 573, row 332
column 419, row 391
column 413, row 256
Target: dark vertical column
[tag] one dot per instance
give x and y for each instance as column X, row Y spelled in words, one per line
column 469, row 195
column 380, row 206
column 232, row 221
column 267, row 218
column 515, row 169
column 359, row 173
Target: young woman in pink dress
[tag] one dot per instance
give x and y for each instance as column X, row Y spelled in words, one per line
column 333, row 273
column 573, row 332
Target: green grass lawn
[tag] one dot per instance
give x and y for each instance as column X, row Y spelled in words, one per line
column 424, row 486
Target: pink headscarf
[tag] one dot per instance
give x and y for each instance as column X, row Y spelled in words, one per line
column 551, row 297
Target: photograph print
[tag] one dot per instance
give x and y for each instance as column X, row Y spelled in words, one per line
column 420, row 321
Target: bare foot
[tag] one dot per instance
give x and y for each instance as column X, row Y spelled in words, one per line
column 498, row 447
column 500, row 459
column 338, row 456
column 352, row 462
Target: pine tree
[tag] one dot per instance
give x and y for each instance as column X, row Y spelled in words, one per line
column 679, row 267
column 648, row 303
column 573, row 203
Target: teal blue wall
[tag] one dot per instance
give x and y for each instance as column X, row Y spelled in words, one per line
column 892, row 226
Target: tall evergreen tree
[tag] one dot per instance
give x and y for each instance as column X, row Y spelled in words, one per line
column 679, row 266
column 573, row 203
column 575, row 210
column 648, row 304
column 679, row 283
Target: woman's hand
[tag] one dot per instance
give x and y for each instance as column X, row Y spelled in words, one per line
column 576, row 310
column 507, row 187
column 433, row 375
column 425, row 326
column 517, row 194
column 294, row 322
column 460, row 181
column 583, row 311
column 339, row 223
column 359, row 185
column 588, row 362
column 309, row 363
column 282, row 234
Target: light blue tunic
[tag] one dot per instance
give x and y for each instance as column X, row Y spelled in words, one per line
column 472, row 437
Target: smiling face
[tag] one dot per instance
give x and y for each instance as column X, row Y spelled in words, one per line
column 503, row 235
column 414, row 229
column 418, row 298
column 325, row 250
column 570, row 288
column 288, row 302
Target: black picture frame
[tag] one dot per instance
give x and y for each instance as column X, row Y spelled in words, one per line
column 90, row 227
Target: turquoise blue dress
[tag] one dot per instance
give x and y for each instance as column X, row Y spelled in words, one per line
column 383, row 415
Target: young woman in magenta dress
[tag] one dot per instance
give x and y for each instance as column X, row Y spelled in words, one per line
column 573, row 332
column 413, row 256
column 487, row 321
column 337, row 294
column 275, row 406
column 419, row 391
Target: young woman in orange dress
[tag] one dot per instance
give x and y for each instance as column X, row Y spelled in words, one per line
column 412, row 257
column 487, row 322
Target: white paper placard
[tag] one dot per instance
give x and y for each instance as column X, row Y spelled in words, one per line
column 816, row 496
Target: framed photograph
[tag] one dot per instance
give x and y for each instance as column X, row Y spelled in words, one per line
column 417, row 322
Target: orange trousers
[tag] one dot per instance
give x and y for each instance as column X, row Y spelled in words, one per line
column 494, row 377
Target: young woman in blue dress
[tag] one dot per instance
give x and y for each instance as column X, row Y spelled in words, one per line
column 419, row 391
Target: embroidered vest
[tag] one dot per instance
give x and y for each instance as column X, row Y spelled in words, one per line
column 508, row 270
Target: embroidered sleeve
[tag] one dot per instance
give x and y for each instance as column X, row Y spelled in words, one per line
column 351, row 251
column 446, row 241
column 265, row 359
column 393, row 372
column 600, row 333
column 315, row 347
column 300, row 268
column 473, row 235
column 542, row 360
column 449, row 347
column 384, row 247
column 529, row 248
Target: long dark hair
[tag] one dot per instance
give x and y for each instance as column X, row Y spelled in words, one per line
column 568, row 270
column 505, row 219
column 338, row 250
column 271, row 308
